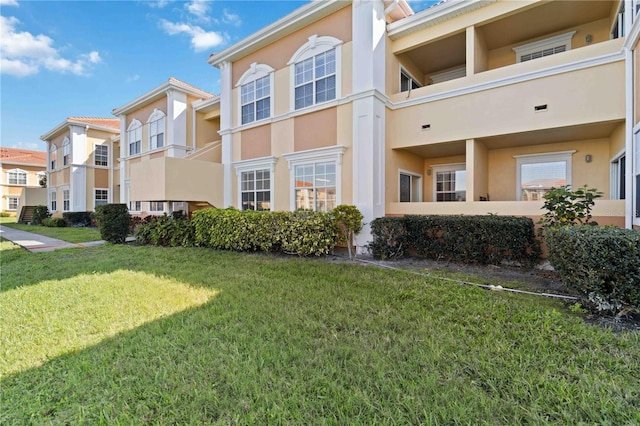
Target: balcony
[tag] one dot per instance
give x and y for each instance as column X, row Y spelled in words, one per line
column 177, row 179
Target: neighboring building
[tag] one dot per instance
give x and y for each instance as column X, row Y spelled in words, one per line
column 20, row 168
column 170, row 150
column 468, row 107
column 82, row 168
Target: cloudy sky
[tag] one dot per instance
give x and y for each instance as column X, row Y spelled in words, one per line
column 84, row 58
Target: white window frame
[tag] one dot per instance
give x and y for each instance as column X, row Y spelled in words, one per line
column 53, row 154
column 548, row 157
column 453, row 74
column 95, row 155
column 157, row 124
column 254, row 73
column 312, row 48
column 618, row 23
column 155, row 204
column 66, row 202
column 95, row 197
column 453, row 167
column 134, row 137
column 66, row 152
column 313, row 156
column 18, row 173
column 53, row 201
column 616, row 173
column 264, row 163
column 132, row 204
column 412, row 175
column 17, row 201
column 561, row 40
column 411, row 78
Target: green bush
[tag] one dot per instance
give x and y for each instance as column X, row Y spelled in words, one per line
column 173, row 230
column 40, row 213
column 113, row 222
column 307, row 233
column 54, row 222
column 603, row 263
column 5, row 214
column 469, row 239
column 349, row 222
column 568, row 207
column 78, row 218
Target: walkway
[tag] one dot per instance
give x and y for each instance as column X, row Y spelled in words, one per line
column 38, row 243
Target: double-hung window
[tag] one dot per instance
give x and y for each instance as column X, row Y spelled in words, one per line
column 12, row 203
column 101, row 197
column 450, row 182
column 256, row 100
column 618, row 177
column 134, row 137
column 101, row 155
column 17, row 177
column 256, row 190
column 66, row 152
column 53, row 152
column 53, row 201
column 538, row 173
column 135, row 206
column 156, row 129
column 65, row 200
column 156, row 206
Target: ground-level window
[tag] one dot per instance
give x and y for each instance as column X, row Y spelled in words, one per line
column 54, row 201
column 135, row 206
column 256, row 190
column 410, row 187
column 12, row 203
column 65, row 200
column 156, row 206
column 538, row 173
column 315, row 186
column 101, row 197
column 618, row 184
column 450, row 182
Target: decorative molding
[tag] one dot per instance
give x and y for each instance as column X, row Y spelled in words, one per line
column 315, row 46
column 547, row 43
column 254, row 72
column 331, row 153
column 135, row 123
column 254, row 164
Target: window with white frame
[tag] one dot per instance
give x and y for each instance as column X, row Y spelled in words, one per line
column 255, row 93
column 101, row 155
column 12, row 203
column 134, row 137
column 53, row 153
column 316, row 71
column 66, row 152
column 547, row 47
column 618, row 177
column 450, row 182
column 53, row 201
column 256, row 190
column 135, row 206
column 156, row 129
column 101, row 197
column 156, row 206
column 410, row 188
column 617, row 29
column 17, row 177
column 65, row 200
column 407, row 82
column 538, row 173
column 182, row 206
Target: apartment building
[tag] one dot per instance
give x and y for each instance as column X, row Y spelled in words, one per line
column 170, row 155
column 82, row 168
column 20, row 169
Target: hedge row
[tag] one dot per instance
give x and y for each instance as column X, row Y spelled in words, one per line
column 603, row 263
column 78, row 218
column 54, row 222
column 470, row 239
column 173, row 230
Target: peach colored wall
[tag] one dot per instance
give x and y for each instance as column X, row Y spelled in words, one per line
column 396, row 161
column 480, row 171
column 480, row 55
column 278, row 54
column 101, row 178
column 256, row 142
column 617, row 140
column 57, row 141
column 142, row 115
column 206, row 130
column 315, row 130
column 156, row 155
column 66, row 176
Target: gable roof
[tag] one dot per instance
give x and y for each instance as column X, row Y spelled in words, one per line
column 111, row 125
column 23, row 156
column 114, row 123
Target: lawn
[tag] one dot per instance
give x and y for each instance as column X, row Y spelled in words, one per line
column 129, row 335
column 70, row 234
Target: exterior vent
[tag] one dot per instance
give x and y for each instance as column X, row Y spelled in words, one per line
column 426, row 126
column 539, row 108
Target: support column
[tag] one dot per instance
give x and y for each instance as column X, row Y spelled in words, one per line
column 124, row 152
column 176, row 123
column 226, row 91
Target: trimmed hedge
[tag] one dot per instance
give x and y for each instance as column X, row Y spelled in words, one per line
column 173, row 230
column 603, row 263
column 78, row 218
column 40, row 213
column 470, row 239
column 113, row 221
column 54, row 222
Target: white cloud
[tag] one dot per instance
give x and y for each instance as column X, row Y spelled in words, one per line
column 133, row 78
column 9, row 3
column 200, row 39
column 229, row 17
column 34, row 146
column 159, row 3
column 199, row 8
column 24, row 54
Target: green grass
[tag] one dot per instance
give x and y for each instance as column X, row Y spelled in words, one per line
column 70, row 234
column 10, row 219
column 256, row 339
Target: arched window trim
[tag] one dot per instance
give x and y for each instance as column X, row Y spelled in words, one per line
column 134, row 137
column 66, row 151
column 315, row 45
column 53, row 153
column 20, row 178
column 255, row 72
column 156, row 123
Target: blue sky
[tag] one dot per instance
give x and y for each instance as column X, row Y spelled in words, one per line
column 84, row 58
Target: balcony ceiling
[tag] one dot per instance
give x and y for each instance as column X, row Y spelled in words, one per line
column 440, row 55
column 448, row 149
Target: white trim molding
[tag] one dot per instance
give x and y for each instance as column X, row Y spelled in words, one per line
column 543, row 157
column 547, row 43
column 263, row 163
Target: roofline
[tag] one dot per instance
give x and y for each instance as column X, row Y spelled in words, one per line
column 295, row 20
column 203, row 103
column 19, row 163
column 60, row 127
column 433, row 15
column 153, row 93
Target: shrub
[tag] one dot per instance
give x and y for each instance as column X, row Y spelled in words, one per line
column 307, row 233
column 602, row 263
column 54, row 222
column 77, row 218
column 567, row 207
column 470, row 239
column 40, row 213
column 5, row 214
column 168, row 230
column 113, row 221
column 349, row 222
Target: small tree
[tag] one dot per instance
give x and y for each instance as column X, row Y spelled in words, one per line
column 567, row 207
column 40, row 213
column 43, row 181
column 349, row 222
column 113, row 222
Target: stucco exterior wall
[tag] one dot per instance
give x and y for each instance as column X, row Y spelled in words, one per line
column 142, row 115
column 255, row 142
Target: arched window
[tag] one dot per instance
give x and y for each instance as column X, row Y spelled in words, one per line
column 66, row 152
column 53, row 153
column 255, row 93
column 315, row 71
column 134, row 137
column 17, row 177
column 156, row 129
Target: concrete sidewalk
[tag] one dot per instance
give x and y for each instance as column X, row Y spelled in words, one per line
column 38, row 243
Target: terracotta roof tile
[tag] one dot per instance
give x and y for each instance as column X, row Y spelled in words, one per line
column 190, row 87
column 26, row 156
column 114, row 123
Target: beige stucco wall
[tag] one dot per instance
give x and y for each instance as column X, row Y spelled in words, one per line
column 255, row 142
column 206, row 130
column 142, row 115
column 101, row 178
column 617, row 140
column 315, row 130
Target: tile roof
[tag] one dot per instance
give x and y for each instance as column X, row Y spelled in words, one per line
column 26, row 156
column 113, row 123
column 190, row 87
